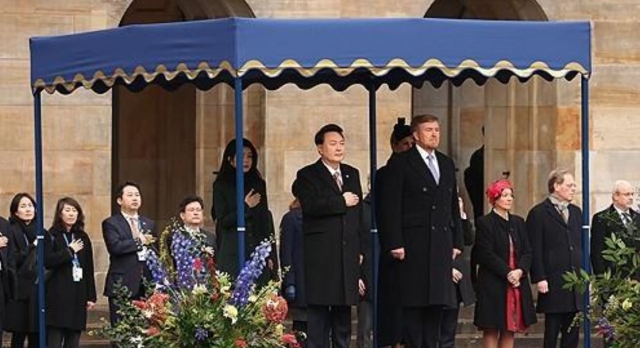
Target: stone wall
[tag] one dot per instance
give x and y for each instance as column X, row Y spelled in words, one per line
column 77, row 128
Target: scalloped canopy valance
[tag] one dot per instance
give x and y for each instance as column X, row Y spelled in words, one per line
column 307, row 52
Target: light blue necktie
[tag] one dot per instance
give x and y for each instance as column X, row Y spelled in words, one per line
column 433, row 168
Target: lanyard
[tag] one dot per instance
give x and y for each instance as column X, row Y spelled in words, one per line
column 76, row 262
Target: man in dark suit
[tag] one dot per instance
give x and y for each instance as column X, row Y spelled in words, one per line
column 420, row 227
column 555, row 229
column 618, row 219
column 126, row 236
column 330, row 196
column 7, row 271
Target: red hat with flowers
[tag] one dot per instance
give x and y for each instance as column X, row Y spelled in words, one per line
column 494, row 191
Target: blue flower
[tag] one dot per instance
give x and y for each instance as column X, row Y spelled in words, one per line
column 158, row 271
column 605, row 328
column 201, row 334
column 249, row 273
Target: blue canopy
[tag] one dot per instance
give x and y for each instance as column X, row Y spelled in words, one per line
column 339, row 52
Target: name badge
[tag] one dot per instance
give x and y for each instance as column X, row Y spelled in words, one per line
column 142, row 254
column 77, row 273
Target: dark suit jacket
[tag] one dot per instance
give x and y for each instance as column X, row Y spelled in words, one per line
column 123, row 253
column 557, row 249
column 424, row 218
column 292, row 255
column 604, row 224
column 333, row 234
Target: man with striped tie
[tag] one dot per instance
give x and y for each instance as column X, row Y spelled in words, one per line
column 618, row 219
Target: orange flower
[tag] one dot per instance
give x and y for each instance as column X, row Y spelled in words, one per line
column 214, row 296
column 152, row 331
column 290, row 340
column 275, row 309
column 240, row 343
column 139, row 304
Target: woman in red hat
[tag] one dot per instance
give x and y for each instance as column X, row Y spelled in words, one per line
column 502, row 250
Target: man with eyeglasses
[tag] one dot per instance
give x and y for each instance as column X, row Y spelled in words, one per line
column 618, row 219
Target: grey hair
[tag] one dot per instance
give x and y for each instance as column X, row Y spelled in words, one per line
column 556, row 177
column 620, row 184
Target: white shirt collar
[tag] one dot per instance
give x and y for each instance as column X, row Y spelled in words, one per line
column 424, row 153
column 127, row 216
column 331, row 170
column 620, row 212
column 191, row 229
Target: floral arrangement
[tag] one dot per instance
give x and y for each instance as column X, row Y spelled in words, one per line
column 191, row 304
column 614, row 295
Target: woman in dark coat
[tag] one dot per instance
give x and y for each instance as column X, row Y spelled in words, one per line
column 21, row 317
column 389, row 318
column 71, row 288
column 505, row 303
column 259, row 224
column 292, row 256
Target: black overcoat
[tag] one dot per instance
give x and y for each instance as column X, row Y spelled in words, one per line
column 123, row 253
column 389, row 308
column 22, row 310
column 332, row 234
column 557, row 249
column 423, row 217
column 258, row 223
column 606, row 223
column 464, row 290
column 492, row 252
column 7, row 273
column 66, row 300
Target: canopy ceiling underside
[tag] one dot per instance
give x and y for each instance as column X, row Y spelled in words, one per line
column 338, row 52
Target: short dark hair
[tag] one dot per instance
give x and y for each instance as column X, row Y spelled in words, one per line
column 120, row 189
column 15, row 203
column 188, row 200
column 420, row 119
column 57, row 219
column 319, row 138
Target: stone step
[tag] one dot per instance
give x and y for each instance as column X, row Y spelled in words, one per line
column 468, row 335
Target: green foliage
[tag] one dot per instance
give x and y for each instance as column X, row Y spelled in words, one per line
column 615, row 295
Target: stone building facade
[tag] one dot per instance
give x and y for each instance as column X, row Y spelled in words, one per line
column 172, row 142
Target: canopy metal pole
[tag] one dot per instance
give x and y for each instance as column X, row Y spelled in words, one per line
column 585, row 204
column 37, row 124
column 374, row 229
column 239, row 170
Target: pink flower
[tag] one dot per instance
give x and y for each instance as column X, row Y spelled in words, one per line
column 241, row 343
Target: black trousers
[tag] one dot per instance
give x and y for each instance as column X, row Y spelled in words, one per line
column 556, row 324
column 328, row 322
column 422, row 326
column 448, row 327
column 62, row 338
column 18, row 338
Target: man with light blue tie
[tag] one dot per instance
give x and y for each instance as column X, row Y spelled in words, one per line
column 420, row 220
